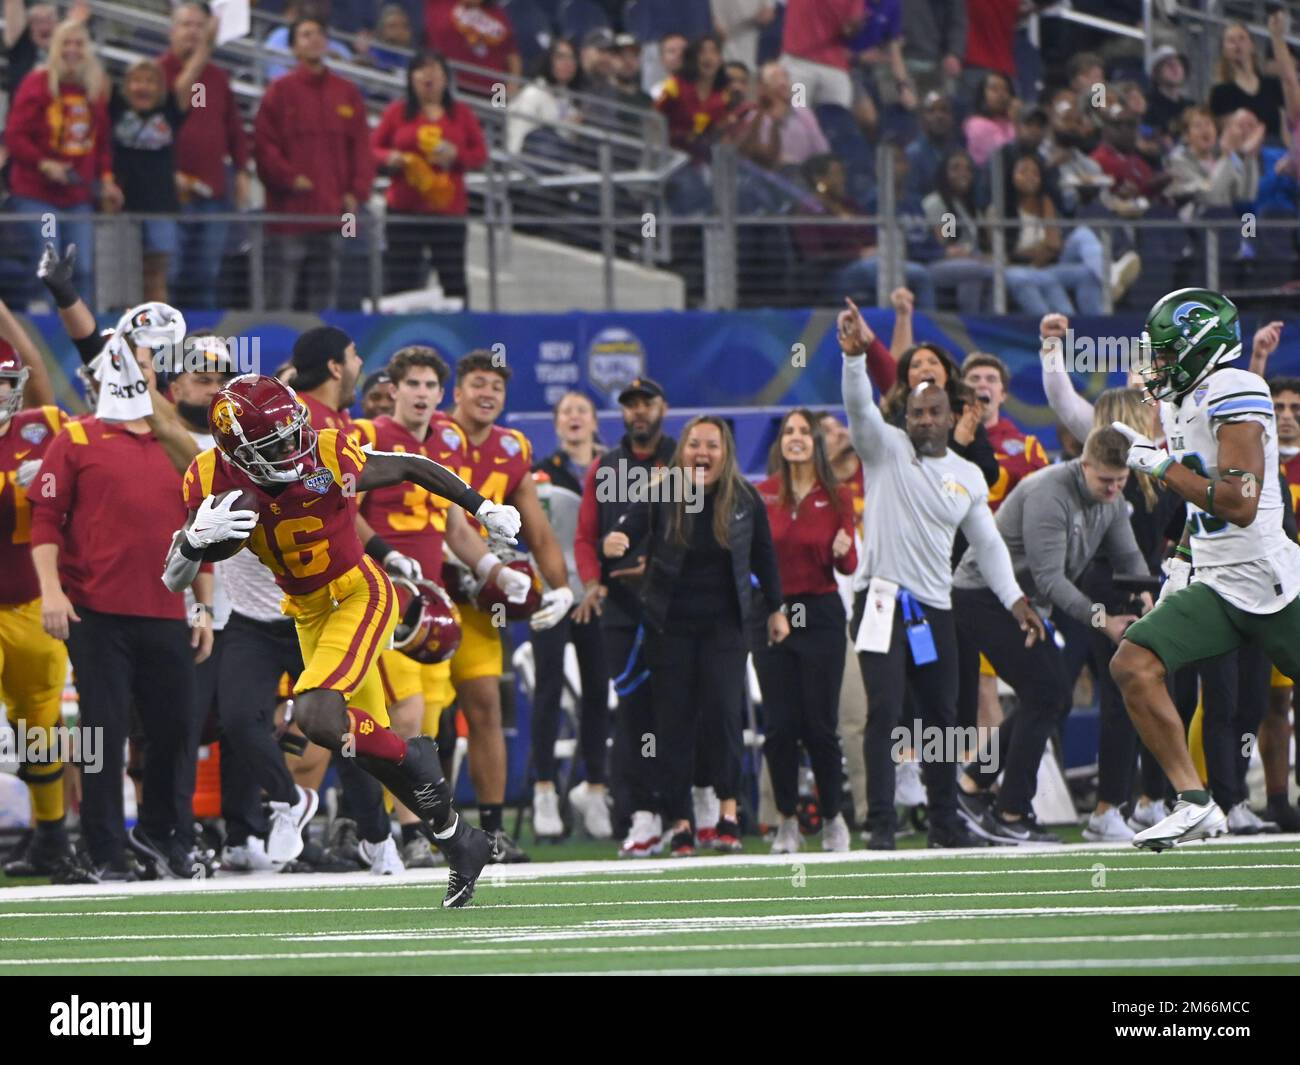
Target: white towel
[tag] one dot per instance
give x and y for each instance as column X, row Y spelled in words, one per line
column 123, row 391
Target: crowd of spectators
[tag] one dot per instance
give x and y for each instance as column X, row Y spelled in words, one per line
column 1055, row 146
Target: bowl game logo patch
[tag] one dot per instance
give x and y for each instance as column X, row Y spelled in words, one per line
column 34, row 432
column 319, row 482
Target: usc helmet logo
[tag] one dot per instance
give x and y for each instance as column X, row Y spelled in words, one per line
column 224, row 413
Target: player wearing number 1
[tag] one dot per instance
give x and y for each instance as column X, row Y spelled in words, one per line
column 1235, row 578
column 303, row 484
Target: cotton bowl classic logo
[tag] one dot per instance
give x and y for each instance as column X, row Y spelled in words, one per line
column 319, row 482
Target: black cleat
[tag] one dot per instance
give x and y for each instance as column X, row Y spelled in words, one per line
column 468, row 850
column 505, row 851
column 1024, row 830
column 953, row 834
column 881, row 839
column 1282, row 814
column 40, row 853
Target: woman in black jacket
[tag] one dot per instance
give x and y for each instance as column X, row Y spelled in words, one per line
column 705, row 533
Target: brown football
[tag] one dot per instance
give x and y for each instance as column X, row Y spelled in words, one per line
column 219, row 552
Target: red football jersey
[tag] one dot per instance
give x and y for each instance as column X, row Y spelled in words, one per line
column 410, row 518
column 1290, row 470
column 323, row 417
column 306, row 534
column 495, row 467
column 29, row 434
column 1018, row 456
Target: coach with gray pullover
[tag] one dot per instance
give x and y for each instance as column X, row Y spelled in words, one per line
column 1053, row 523
column 918, row 493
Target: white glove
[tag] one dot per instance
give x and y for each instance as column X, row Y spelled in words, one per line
column 214, row 522
column 27, row 472
column 554, row 609
column 1178, row 572
column 400, row 565
column 1144, row 455
column 514, row 584
column 501, row 521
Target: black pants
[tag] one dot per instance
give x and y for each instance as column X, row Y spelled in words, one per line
column 405, row 265
column 1038, row 676
column 633, row 781
column 254, row 655
column 888, row 678
column 697, row 685
column 593, row 724
column 122, row 661
column 1234, row 694
column 800, row 678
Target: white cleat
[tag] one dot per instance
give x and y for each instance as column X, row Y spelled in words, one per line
column 284, row 841
column 646, row 837
column 1243, row 821
column 1186, row 823
column 383, row 858
column 547, row 823
column 594, row 808
column 708, row 810
column 1146, row 814
column 248, row 857
column 835, row 835
column 1108, row 828
column 908, row 789
column 788, row 840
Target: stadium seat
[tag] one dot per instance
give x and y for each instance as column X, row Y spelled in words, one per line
column 533, row 30
column 651, row 19
column 852, row 148
column 577, row 18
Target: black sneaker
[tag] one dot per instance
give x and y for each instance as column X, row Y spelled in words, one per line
column 953, row 834
column 155, row 857
column 468, row 850
column 727, row 839
column 505, row 851
column 344, row 844
column 127, row 871
column 1278, row 810
column 975, row 809
column 40, row 853
column 683, row 844
column 1025, row 830
column 881, row 839
column 317, row 859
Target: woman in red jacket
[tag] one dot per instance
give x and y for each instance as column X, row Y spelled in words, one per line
column 60, row 143
column 426, row 143
column 812, row 526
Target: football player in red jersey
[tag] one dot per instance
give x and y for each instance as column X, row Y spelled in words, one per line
column 305, row 484
column 33, row 665
column 500, row 468
column 417, row 523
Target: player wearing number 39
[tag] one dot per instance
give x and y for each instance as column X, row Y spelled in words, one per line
column 305, row 486
column 1235, row 577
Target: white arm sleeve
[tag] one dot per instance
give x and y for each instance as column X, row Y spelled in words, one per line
column 867, row 425
column 991, row 551
column 1074, row 411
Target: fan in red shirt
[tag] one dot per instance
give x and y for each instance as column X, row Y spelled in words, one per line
column 312, row 146
column 1018, row 455
column 991, row 35
column 477, row 32
column 210, row 135
column 426, row 143
column 815, row 47
column 812, row 528
column 696, row 101
column 60, row 147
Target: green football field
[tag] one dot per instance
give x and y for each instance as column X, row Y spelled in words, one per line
column 1219, row 907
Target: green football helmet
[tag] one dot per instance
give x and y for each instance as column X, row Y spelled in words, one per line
column 1187, row 334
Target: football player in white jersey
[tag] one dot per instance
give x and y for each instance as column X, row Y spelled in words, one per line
column 1235, row 577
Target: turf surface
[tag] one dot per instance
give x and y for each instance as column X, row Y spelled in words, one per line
column 1220, row 907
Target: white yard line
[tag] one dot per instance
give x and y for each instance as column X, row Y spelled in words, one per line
column 747, row 900
column 649, row 868
column 972, row 966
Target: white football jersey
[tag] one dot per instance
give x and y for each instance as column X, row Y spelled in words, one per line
column 1255, row 568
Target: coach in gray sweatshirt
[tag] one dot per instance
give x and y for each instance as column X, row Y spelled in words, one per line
column 1053, row 523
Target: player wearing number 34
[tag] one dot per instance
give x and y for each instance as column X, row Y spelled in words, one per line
column 1235, row 577
column 304, row 486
